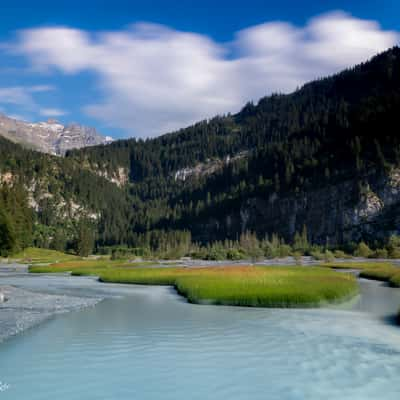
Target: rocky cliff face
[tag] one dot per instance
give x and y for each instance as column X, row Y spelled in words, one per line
column 341, row 213
column 207, row 168
column 51, row 136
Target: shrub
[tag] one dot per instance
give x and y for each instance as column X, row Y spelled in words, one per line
column 234, row 254
column 328, row 256
column 297, row 256
column 284, row 250
column 363, row 250
column 395, row 279
column 318, row 255
column 340, row 254
column 394, row 246
column 381, row 253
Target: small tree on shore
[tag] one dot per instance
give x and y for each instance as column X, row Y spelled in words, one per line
column 84, row 241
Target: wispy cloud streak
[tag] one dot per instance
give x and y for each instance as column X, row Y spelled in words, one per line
column 155, row 79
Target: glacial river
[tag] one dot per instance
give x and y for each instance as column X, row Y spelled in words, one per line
column 148, row 343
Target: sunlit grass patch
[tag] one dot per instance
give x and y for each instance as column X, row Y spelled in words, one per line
column 85, row 267
column 395, row 280
column 380, row 271
column 357, row 265
column 379, row 274
column 34, row 255
column 229, row 285
column 268, row 287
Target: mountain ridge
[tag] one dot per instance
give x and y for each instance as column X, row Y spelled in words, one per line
column 50, row 137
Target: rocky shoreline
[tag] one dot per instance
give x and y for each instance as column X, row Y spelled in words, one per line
column 29, row 299
column 25, row 309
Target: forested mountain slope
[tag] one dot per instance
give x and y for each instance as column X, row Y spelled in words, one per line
column 325, row 156
column 46, row 197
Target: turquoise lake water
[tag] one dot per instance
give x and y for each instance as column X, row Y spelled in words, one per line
column 150, row 344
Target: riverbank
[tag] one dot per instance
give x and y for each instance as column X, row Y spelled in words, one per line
column 32, row 299
column 24, row 309
column 236, row 285
column 150, row 328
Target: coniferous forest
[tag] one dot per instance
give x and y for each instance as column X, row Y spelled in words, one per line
column 197, row 184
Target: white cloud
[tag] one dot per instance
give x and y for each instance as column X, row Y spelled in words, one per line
column 41, row 88
column 155, row 79
column 17, row 95
column 52, row 112
column 22, row 95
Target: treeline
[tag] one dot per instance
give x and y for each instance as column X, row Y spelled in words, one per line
column 178, row 244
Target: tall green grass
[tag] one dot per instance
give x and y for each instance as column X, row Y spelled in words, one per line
column 395, row 280
column 34, row 255
column 86, row 267
column 268, row 288
column 380, row 271
column 230, row 285
column 357, row 265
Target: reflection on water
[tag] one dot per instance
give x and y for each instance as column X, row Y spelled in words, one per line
column 148, row 345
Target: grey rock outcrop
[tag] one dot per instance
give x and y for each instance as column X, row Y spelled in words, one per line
column 51, row 136
column 352, row 210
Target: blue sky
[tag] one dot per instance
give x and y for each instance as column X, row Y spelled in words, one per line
column 135, row 68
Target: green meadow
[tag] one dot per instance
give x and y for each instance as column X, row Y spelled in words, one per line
column 34, row 255
column 228, row 285
column 380, row 271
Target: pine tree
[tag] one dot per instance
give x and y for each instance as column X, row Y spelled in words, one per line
column 7, row 234
column 84, row 242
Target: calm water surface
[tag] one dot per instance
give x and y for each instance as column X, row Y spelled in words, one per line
column 152, row 345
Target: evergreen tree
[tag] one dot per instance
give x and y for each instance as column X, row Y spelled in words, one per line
column 7, row 234
column 84, row 242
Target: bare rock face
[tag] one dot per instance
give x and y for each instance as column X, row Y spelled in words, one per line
column 339, row 213
column 51, row 136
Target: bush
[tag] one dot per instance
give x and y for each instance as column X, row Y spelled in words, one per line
column 394, row 246
column 363, row 250
column 328, row 256
column 318, row 255
column 284, row 250
column 395, row 280
column 234, row 254
column 215, row 254
column 395, row 253
column 297, row 256
column 340, row 254
column 381, row 253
